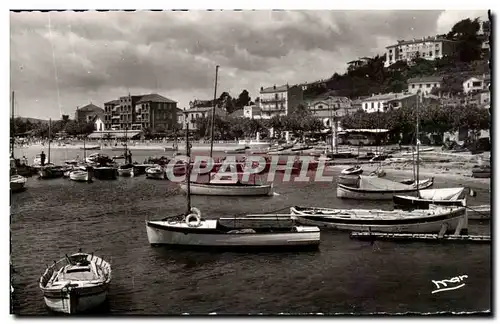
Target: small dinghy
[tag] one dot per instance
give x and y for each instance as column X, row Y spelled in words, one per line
column 354, row 170
column 17, row 183
column 81, row 174
column 396, row 221
column 126, row 170
column 76, row 284
column 156, row 172
column 251, row 232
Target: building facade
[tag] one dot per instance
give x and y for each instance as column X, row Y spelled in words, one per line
column 328, row 109
column 477, row 83
column 87, row 113
column 362, row 61
column 429, row 48
column 387, row 101
column 252, row 112
column 139, row 112
column 424, row 84
column 112, row 115
column 279, row 101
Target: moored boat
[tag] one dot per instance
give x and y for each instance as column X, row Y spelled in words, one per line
column 375, row 188
column 76, row 283
column 228, row 188
column 396, row 221
column 51, row 172
column 232, row 233
column 105, row 172
column 91, row 148
column 354, row 170
column 155, row 172
column 17, row 183
column 80, row 174
column 126, row 170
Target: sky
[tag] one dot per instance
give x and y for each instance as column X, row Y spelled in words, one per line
column 62, row 60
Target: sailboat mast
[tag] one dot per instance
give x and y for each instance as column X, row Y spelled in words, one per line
column 331, row 122
column 188, row 170
column 50, row 136
column 213, row 113
column 417, row 138
column 13, row 128
column 126, row 133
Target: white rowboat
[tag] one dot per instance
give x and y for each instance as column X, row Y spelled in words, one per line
column 76, row 284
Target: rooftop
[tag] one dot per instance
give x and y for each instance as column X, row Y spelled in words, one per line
column 154, row 97
column 389, row 96
column 419, row 40
column 112, row 102
column 430, row 78
column 90, row 107
column 273, row 89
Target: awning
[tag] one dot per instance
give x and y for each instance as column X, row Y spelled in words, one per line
column 114, row 134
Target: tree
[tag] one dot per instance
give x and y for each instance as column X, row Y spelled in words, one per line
column 243, row 100
column 469, row 44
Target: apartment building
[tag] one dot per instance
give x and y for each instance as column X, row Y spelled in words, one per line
column 279, row 101
column 429, row 48
column 141, row 111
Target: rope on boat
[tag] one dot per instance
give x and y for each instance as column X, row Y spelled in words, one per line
column 475, row 210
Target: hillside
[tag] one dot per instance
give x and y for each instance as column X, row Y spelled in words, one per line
column 375, row 78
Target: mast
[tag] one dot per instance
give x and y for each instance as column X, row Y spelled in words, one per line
column 188, row 170
column 331, row 122
column 213, row 113
column 84, row 150
column 126, row 133
column 50, row 135
column 13, row 128
column 417, row 131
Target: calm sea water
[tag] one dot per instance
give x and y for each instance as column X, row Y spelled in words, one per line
column 54, row 217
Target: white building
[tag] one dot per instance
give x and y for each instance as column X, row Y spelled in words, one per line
column 429, row 48
column 424, row 84
column 383, row 102
column 477, row 83
column 98, row 124
column 279, row 101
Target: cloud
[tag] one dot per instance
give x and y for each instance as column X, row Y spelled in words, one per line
column 73, row 58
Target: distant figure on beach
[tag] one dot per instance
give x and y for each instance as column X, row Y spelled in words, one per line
column 42, row 158
column 129, row 157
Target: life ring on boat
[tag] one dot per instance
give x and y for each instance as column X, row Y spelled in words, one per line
column 188, row 220
column 195, row 211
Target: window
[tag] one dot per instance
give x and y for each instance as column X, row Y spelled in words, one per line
column 373, row 105
column 428, row 85
column 476, row 83
column 437, row 52
column 420, row 86
column 430, row 53
column 413, row 86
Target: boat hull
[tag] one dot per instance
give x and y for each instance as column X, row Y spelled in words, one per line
column 17, row 184
column 346, row 192
column 349, row 180
column 126, row 172
column 155, row 175
column 49, row 173
column 227, row 190
column 165, row 236
column 79, row 176
column 105, row 173
column 429, row 225
column 75, row 302
column 414, row 202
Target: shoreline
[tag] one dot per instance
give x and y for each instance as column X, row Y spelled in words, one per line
column 434, row 171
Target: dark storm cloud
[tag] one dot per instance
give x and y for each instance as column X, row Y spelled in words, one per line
column 176, row 52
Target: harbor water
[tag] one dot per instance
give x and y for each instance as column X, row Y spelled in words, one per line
column 56, row 217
